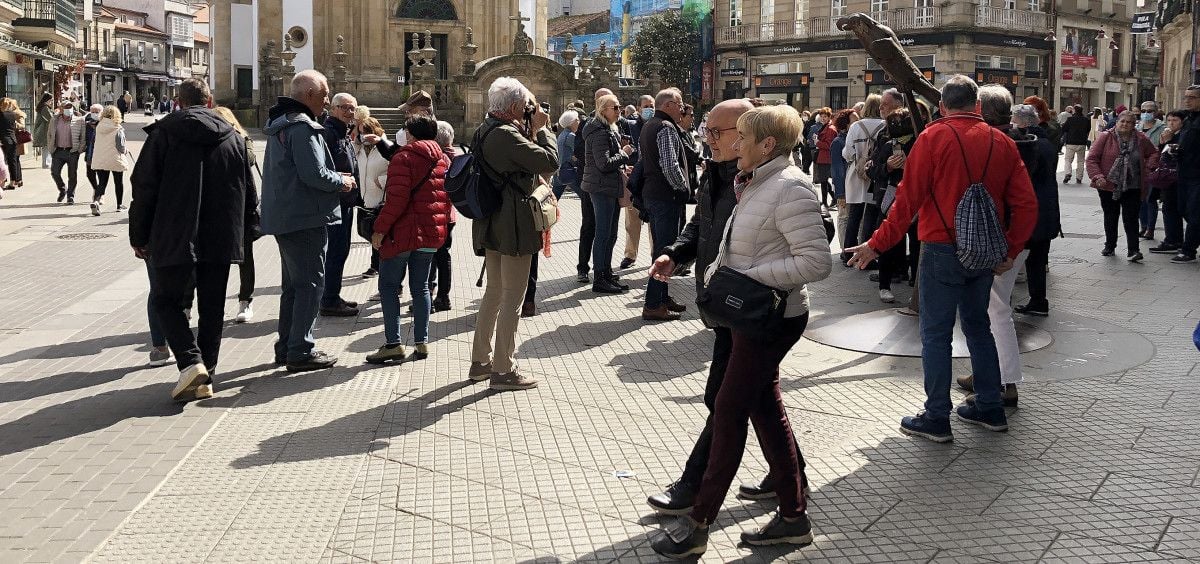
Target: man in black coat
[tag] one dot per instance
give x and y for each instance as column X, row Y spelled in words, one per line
column 1075, row 140
column 700, row 241
column 341, row 146
column 193, row 203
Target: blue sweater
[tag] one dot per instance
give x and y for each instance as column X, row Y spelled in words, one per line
column 838, row 165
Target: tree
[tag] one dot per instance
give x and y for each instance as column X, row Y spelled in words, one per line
column 669, row 38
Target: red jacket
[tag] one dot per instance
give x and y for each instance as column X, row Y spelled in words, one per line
column 935, row 167
column 824, row 142
column 415, row 220
column 1104, row 153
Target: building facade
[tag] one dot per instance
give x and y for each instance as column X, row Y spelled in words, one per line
column 792, row 51
column 36, row 39
column 577, row 7
column 1176, row 32
column 1096, row 64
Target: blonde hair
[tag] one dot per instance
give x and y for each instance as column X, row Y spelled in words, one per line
column 605, row 100
column 370, row 125
column 781, row 122
column 10, row 105
column 113, row 113
column 361, row 113
column 227, row 115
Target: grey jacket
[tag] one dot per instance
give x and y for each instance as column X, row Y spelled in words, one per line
column 602, row 160
column 78, row 134
column 300, row 184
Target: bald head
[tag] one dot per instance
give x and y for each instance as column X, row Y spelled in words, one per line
column 311, row 88
column 721, row 129
column 603, row 92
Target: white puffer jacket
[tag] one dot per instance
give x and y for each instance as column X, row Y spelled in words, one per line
column 372, row 168
column 109, row 150
column 778, row 237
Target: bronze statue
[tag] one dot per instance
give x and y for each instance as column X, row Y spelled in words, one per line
column 884, row 47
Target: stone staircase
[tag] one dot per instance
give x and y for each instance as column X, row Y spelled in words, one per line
column 391, row 119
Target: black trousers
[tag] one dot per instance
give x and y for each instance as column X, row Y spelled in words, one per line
column 441, row 268
column 1035, row 270
column 1127, row 210
column 854, row 225
column 246, row 273
column 13, row 161
column 531, row 289
column 697, row 462
column 1172, row 217
column 587, row 230
column 172, row 289
column 102, row 184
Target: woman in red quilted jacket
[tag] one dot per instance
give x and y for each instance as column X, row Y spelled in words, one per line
column 411, row 226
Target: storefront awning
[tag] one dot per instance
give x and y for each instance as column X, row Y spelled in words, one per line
column 111, row 69
column 152, row 77
column 15, row 46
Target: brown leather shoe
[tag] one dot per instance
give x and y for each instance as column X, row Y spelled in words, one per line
column 661, row 313
column 512, row 381
column 529, row 309
column 966, row 382
column 674, row 305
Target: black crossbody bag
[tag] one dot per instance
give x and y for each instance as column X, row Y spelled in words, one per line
column 733, row 300
column 367, row 216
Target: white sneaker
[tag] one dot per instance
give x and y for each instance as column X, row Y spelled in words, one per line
column 203, row 391
column 95, row 208
column 245, row 312
column 887, row 297
column 188, row 313
column 189, row 379
column 1021, row 277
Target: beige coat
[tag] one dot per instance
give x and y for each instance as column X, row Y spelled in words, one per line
column 107, row 153
column 777, row 235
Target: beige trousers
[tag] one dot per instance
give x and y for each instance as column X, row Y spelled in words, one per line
column 500, row 311
column 1077, row 154
column 633, row 233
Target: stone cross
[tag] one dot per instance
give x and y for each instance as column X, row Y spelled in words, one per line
column 522, row 43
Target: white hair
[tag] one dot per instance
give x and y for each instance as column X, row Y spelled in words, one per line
column 568, row 118
column 445, row 134
column 506, row 92
column 340, row 97
column 302, row 82
column 667, row 96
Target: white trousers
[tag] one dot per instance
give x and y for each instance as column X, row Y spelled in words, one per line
column 1076, row 154
column 1004, row 331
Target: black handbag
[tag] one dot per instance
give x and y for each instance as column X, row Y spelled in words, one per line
column 733, row 300
column 365, row 224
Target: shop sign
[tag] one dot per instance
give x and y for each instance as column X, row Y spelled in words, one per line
column 781, row 82
column 1068, row 74
column 996, row 76
column 733, row 72
column 1142, row 23
column 1112, row 87
column 882, row 77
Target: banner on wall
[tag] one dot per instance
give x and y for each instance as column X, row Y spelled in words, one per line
column 1142, row 23
column 1079, row 48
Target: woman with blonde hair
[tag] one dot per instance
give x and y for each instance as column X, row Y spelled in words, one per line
column 109, row 156
column 246, row 269
column 603, row 157
column 372, row 169
column 775, row 238
column 12, row 119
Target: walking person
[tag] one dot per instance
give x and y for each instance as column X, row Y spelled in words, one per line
column 699, row 242
column 860, row 145
column 632, row 215
column 1118, row 165
column 842, row 122
column 1165, row 178
column 90, row 121
column 336, row 130
column 42, row 116
column 603, row 182
column 110, row 157
column 1188, row 188
column 246, row 272
column 409, row 229
column 192, row 204
column 125, row 103
column 66, row 139
column 955, row 152
column 1048, row 227
column 776, row 237
column 664, row 192
column 300, row 190
column 12, row 120
column 1077, row 132
column 821, row 140
column 441, row 275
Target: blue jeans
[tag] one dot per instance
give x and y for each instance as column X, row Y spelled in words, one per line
column 157, row 339
column 338, row 251
column 946, row 287
column 302, row 254
column 606, row 210
column 664, row 228
column 391, row 275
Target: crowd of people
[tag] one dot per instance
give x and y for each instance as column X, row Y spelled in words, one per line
column 957, row 200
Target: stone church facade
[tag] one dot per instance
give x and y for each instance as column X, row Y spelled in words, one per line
column 377, row 34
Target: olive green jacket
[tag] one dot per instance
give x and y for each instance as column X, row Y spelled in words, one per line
column 510, row 154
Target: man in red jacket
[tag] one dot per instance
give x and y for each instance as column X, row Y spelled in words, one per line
column 950, row 155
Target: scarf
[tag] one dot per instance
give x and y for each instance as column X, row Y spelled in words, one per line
column 740, row 182
column 1125, row 173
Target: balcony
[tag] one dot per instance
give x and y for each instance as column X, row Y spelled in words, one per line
column 11, row 9
column 50, row 21
column 1012, row 20
column 899, row 19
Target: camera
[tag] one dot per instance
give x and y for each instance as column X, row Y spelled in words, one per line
column 546, row 107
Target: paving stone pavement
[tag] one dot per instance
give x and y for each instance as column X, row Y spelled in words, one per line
column 415, row 463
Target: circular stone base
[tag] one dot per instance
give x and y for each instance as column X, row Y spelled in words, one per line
column 897, row 332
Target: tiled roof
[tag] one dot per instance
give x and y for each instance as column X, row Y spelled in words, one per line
column 143, row 29
column 578, row 25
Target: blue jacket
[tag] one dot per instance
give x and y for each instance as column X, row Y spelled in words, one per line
column 838, row 164
column 300, row 184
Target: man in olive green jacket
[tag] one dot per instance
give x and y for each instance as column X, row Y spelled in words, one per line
column 517, row 148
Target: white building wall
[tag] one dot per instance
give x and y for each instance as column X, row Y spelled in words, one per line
column 577, row 7
column 299, row 13
column 244, row 38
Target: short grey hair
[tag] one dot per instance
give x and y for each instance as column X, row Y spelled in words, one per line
column 506, row 92
column 303, row 81
column 568, row 118
column 995, row 104
column 341, row 97
column 896, row 96
column 445, row 134
column 645, row 98
column 960, row 93
column 1023, row 115
column 667, row 95
column 1152, row 103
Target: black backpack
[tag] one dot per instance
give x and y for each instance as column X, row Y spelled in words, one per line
column 471, row 190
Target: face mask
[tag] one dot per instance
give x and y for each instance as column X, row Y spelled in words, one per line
column 647, row 113
column 1147, row 116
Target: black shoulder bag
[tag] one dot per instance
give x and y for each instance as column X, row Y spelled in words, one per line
column 736, row 301
column 367, row 216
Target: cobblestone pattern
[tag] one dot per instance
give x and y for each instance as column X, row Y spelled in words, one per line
column 414, row 463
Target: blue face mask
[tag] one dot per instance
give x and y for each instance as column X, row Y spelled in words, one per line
column 647, row 113
column 1147, row 116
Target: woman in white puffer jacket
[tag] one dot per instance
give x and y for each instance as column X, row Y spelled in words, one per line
column 372, row 170
column 108, row 156
column 777, row 238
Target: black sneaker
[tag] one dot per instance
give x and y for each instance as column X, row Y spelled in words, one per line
column 936, row 430
column 370, row 273
column 605, row 286
column 1108, row 251
column 781, row 531
column 1039, row 310
column 316, row 361
column 762, row 490
column 1182, row 258
column 62, row 194
column 681, row 539
column 583, row 278
column 995, row 420
column 1135, row 256
column 340, row 310
column 1165, row 249
column 678, row 499
column 441, row 304
column 626, row 263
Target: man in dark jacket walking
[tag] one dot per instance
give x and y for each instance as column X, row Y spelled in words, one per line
column 341, row 147
column 1188, row 190
column 665, row 190
column 1075, row 139
column 192, row 204
column 700, row 241
column 300, row 200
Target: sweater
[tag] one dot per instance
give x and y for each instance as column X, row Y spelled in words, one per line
column 1105, row 151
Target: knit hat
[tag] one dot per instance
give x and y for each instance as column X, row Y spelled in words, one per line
column 1025, row 115
column 1120, row 108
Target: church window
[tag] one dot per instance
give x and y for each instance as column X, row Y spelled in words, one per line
column 427, row 10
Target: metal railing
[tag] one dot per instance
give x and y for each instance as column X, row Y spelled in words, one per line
column 826, row 26
column 1016, row 20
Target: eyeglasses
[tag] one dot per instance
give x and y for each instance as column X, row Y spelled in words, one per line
column 1193, row 97
column 714, row 133
column 346, row 107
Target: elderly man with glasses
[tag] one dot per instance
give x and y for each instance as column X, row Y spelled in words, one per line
column 339, row 125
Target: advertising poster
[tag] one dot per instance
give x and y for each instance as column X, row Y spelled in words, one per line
column 1079, row 47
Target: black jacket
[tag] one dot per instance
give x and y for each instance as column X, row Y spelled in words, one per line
column 602, row 160
column 655, row 185
column 193, row 195
column 1189, row 149
column 1075, row 131
column 701, row 237
column 343, row 151
column 1041, row 160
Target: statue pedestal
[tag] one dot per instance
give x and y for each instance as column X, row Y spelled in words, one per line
column 896, row 332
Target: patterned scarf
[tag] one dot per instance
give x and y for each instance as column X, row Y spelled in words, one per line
column 740, row 182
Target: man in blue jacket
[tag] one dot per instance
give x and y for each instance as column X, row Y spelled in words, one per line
column 300, row 199
column 337, row 138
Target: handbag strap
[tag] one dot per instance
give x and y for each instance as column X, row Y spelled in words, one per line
column 424, row 179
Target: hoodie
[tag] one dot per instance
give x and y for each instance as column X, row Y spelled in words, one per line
column 300, row 183
column 192, row 191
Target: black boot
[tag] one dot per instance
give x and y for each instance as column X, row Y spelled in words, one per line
column 681, row 539
column 678, row 499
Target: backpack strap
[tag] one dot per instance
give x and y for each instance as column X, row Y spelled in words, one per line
column 983, row 175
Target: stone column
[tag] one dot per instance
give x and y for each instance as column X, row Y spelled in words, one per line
column 339, row 67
